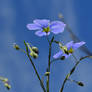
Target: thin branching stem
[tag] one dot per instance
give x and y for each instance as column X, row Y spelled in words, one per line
column 49, row 60
column 27, row 53
column 72, row 71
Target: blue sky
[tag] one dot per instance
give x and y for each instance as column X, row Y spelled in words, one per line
column 15, row 15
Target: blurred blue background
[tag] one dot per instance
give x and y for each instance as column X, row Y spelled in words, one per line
column 15, row 15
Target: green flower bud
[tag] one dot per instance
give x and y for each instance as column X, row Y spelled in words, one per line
column 6, row 82
column 80, row 83
column 47, row 73
column 34, row 55
column 4, row 79
column 35, row 49
column 7, row 86
column 16, row 47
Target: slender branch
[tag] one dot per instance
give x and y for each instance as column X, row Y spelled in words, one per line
column 48, row 77
column 41, row 83
column 72, row 71
column 49, row 57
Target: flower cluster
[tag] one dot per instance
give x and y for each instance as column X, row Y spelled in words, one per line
column 44, row 28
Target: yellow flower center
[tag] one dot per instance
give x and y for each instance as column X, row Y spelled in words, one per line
column 71, row 50
column 65, row 50
column 46, row 29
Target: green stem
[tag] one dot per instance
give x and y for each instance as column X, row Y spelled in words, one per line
column 48, row 77
column 68, row 75
column 49, row 57
column 41, row 83
column 72, row 71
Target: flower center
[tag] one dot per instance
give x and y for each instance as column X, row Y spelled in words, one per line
column 46, row 29
column 71, row 50
column 66, row 51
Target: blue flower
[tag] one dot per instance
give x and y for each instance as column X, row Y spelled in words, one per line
column 44, row 27
column 68, row 49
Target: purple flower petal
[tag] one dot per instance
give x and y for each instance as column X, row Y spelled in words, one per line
column 69, row 44
column 33, row 27
column 57, row 55
column 43, row 22
column 40, row 33
column 77, row 45
column 57, row 27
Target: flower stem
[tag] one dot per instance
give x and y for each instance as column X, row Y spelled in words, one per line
column 68, row 75
column 49, row 60
column 41, row 83
column 72, row 71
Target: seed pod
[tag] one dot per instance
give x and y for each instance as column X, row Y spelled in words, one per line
column 35, row 49
column 16, row 47
column 34, row 55
column 8, row 86
column 47, row 73
column 6, row 83
column 80, row 83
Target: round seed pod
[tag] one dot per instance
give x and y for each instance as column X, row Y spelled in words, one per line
column 34, row 55
column 35, row 49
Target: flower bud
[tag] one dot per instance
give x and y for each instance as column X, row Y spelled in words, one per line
column 6, row 82
column 34, row 55
column 47, row 73
column 80, row 83
column 16, row 47
column 7, row 85
column 35, row 49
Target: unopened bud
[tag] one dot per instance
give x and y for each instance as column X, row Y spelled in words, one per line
column 5, row 80
column 7, row 86
column 6, row 83
column 80, row 83
column 35, row 49
column 16, row 47
column 47, row 73
column 34, row 55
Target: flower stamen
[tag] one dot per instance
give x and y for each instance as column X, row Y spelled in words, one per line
column 46, row 30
